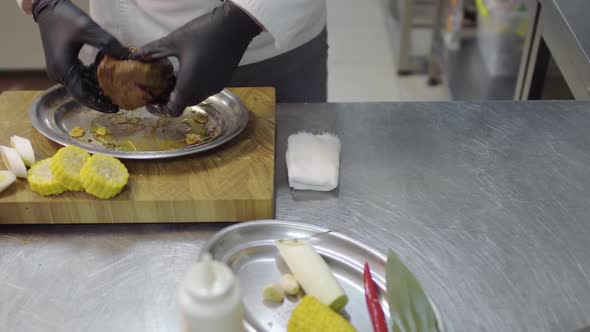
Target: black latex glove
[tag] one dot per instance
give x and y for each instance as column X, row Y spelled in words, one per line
column 209, row 49
column 64, row 30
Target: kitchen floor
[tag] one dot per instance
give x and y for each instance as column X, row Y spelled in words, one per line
column 361, row 61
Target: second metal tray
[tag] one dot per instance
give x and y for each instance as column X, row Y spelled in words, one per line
column 249, row 250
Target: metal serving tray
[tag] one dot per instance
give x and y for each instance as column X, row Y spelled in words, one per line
column 54, row 113
column 249, row 250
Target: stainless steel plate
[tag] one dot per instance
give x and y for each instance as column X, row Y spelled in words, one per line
column 249, row 250
column 54, row 113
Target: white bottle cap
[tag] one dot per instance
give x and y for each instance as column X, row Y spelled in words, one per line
column 208, row 279
column 210, row 299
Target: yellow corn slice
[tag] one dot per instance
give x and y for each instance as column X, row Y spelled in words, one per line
column 104, row 176
column 66, row 164
column 311, row 315
column 42, row 181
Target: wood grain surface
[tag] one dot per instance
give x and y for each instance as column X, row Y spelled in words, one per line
column 232, row 183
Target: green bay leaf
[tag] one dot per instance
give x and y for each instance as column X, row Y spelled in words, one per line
column 409, row 306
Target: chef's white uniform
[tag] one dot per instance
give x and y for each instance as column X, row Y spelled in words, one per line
column 287, row 23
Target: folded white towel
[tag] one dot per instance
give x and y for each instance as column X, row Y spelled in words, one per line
column 313, row 161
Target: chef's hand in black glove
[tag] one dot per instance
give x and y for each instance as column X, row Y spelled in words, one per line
column 209, row 49
column 64, row 30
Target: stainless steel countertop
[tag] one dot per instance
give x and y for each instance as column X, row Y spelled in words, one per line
column 486, row 202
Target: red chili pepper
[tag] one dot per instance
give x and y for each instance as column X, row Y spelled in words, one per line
column 373, row 304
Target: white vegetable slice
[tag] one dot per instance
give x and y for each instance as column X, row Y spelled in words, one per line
column 13, row 161
column 6, row 179
column 312, row 273
column 24, row 148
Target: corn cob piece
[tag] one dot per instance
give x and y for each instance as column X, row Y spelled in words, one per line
column 42, row 181
column 104, row 176
column 311, row 315
column 66, row 164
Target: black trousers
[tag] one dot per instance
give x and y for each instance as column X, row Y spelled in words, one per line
column 299, row 76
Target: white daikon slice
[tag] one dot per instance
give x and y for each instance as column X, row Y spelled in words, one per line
column 24, row 148
column 6, row 179
column 13, row 161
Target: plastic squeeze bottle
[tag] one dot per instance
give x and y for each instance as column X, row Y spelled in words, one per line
column 210, row 299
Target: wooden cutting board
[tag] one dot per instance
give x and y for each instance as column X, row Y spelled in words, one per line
column 232, row 183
